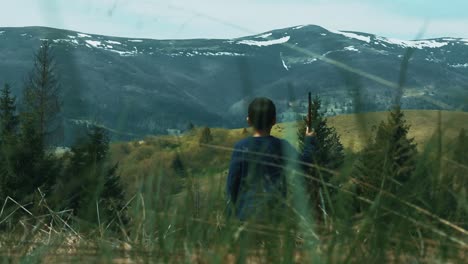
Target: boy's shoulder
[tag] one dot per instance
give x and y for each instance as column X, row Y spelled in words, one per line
column 242, row 142
column 251, row 140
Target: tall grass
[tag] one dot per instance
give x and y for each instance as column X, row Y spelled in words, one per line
column 175, row 220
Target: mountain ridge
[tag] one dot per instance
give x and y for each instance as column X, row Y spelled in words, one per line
column 131, row 85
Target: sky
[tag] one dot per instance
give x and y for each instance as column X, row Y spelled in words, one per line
column 180, row 19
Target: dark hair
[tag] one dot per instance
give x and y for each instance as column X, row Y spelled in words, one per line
column 262, row 113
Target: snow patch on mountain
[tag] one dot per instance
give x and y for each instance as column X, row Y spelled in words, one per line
column 73, row 41
column 264, row 35
column 105, row 46
column 1, row 32
column 113, row 42
column 124, row 53
column 299, row 27
column 417, row 44
column 222, row 53
column 433, row 60
column 94, row 43
column 284, row 65
column 459, row 65
column 351, row 48
column 135, row 40
column 455, row 40
column 264, row 43
column 205, row 53
column 352, row 35
column 81, row 35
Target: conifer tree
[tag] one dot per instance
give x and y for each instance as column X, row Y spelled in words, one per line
column 457, row 175
column 90, row 182
column 440, row 178
column 206, row 136
column 8, row 141
column 8, row 117
column 41, row 97
column 389, row 161
column 40, row 124
column 329, row 153
column 384, row 172
column 112, row 198
column 459, row 165
column 245, row 131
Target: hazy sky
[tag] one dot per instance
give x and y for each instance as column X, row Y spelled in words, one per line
column 166, row 19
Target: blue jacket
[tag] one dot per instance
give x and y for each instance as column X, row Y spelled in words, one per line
column 256, row 183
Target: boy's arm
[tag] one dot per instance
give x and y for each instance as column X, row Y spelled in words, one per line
column 234, row 175
column 310, row 143
column 307, row 155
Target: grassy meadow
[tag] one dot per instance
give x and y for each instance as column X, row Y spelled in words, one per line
column 175, row 211
column 139, row 159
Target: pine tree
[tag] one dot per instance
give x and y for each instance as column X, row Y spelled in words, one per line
column 459, row 170
column 328, row 155
column 8, row 141
column 41, row 97
column 245, row 131
column 90, row 182
column 389, row 161
column 8, row 117
column 40, row 121
column 112, row 198
column 441, row 178
column 384, row 172
column 206, row 136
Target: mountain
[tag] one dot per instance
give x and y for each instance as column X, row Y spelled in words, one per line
column 136, row 87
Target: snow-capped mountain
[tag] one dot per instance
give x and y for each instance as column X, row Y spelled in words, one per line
column 141, row 86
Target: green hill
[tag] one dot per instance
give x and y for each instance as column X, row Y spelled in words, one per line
column 355, row 129
column 141, row 160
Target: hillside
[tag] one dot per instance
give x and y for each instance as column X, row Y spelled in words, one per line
column 131, row 86
column 142, row 160
column 355, row 129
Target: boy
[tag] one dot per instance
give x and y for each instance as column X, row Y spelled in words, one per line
column 256, row 184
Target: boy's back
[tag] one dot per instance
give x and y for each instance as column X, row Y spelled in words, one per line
column 257, row 175
column 256, row 185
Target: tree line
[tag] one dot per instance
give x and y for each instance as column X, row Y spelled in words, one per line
column 32, row 173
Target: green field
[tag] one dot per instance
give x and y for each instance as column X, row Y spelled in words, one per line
column 142, row 158
column 178, row 216
column 197, row 200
